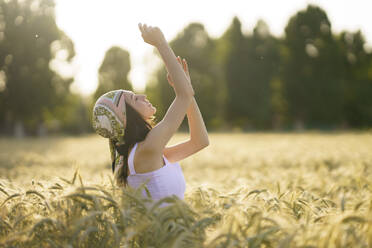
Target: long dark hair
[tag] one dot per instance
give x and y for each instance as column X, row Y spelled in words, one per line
column 135, row 131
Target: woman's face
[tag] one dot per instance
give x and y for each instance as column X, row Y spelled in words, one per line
column 140, row 104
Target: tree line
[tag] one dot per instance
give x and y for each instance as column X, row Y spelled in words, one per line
column 309, row 78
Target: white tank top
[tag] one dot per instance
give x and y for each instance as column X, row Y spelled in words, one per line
column 166, row 181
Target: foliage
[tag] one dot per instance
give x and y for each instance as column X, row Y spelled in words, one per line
column 29, row 41
column 113, row 72
column 356, row 71
column 244, row 80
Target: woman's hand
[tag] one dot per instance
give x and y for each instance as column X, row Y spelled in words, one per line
column 151, row 35
column 185, row 67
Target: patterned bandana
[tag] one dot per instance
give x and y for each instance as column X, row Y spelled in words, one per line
column 109, row 121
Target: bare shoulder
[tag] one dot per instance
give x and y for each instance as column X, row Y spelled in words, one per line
column 145, row 161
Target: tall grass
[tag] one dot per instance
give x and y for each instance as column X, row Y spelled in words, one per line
column 244, row 190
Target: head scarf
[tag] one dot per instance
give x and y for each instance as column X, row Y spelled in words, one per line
column 109, row 121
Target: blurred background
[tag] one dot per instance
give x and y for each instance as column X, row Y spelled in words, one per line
column 269, row 65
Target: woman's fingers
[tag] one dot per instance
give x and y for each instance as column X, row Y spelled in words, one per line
column 140, row 26
column 151, row 34
column 183, row 62
column 143, row 27
column 185, row 65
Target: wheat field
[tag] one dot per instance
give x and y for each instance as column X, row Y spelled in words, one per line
column 244, row 190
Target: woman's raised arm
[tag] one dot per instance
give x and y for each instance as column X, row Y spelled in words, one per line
column 154, row 36
column 158, row 137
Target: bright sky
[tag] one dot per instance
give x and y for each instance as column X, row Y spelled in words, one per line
column 96, row 25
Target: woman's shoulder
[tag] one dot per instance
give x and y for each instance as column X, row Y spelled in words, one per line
column 144, row 161
column 146, row 150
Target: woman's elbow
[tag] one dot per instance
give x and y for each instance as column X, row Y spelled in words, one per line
column 205, row 143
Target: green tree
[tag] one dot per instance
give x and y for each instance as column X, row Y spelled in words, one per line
column 311, row 70
column 29, row 40
column 261, row 68
column 235, row 61
column 357, row 80
column 113, row 72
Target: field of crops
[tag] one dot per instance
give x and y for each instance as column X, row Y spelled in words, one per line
column 244, row 190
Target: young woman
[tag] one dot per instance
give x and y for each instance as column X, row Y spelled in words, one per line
column 138, row 146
